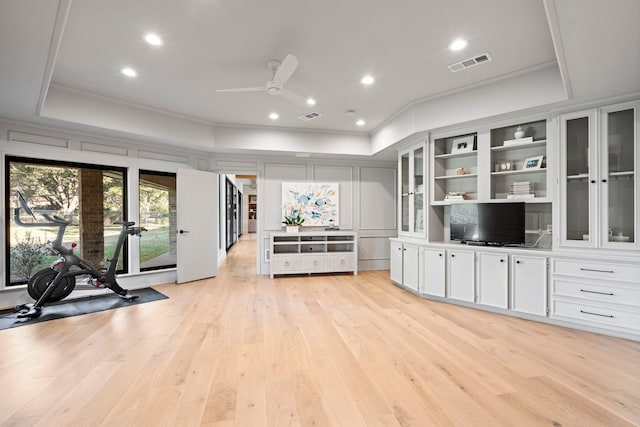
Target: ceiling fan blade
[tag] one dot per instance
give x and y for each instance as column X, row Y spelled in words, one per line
column 294, row 97
column 243, row 89
column 286, row 69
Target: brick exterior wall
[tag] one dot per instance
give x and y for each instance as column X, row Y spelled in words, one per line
column 92, row 214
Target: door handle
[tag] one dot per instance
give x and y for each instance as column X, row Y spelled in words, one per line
column 183, row 231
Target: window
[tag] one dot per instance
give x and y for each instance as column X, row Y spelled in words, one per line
column 90, row 196
column 158, row 215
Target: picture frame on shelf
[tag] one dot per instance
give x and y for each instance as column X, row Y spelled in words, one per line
column 535, row 162
column 463, row 144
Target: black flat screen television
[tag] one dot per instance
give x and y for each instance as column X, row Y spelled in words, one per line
column 487, row 223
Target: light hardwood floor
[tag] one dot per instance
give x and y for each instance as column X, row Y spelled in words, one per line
column 241, row 350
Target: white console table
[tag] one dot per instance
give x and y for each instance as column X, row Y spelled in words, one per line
column 313, row 252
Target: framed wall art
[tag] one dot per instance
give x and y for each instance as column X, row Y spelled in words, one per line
column 316, row 203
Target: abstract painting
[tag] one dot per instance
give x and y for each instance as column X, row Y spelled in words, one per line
column 317, row 203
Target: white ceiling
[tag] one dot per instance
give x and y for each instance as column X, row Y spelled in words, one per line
column 216, row 44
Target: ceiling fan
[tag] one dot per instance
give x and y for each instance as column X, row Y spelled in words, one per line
column 282, row 71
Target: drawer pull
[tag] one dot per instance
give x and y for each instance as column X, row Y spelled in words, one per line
column 286, row 263
column 596, row 292
column 597, row 314
column 597, row 271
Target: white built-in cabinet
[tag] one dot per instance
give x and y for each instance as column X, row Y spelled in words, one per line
column 404, row 264
column 599, row 184
column 529, row 279
column 412, row 182
column 461, row 277
column 493, row 279
column 432, row 272
column 578, row 175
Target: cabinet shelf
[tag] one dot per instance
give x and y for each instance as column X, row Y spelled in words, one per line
column 579, row 176
column 538, row 143
column 455, row 155
column 625, row 173
column 466, row 175
column 519, row 171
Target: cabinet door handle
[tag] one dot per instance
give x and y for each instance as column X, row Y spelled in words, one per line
column 596, row 292
column 518, row 262
column 593, row 181
column 597, row 314
column 604, row 180
column 597, row 271
column 453, row 255
column 501, row 260
column 439, row 254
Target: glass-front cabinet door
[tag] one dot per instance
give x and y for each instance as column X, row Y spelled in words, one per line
column 618, row 178
column 599, row 179
column 405, row 192
column 418, row 190
column 578, row 174
column 411, row 165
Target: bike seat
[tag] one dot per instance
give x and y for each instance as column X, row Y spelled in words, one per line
column 125, row 223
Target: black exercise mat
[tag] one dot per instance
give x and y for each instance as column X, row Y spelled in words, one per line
column 75, row 307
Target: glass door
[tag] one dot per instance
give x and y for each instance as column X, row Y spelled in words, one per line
column 411, row 164
column 418, row 190
column 618, row 178
column 404, row 192
column 578, row 179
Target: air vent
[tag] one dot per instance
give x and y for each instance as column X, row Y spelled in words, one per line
column 468, row 63
column 309, row 116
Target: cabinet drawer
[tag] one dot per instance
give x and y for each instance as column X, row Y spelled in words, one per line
column 342, row 262
column 600, row 291
column 597, row 270
column 594, row 313
column 286, row 263
column 314, row 263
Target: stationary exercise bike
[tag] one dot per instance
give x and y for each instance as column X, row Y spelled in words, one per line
column 59, row 280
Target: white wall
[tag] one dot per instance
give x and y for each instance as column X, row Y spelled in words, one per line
column 366, row 205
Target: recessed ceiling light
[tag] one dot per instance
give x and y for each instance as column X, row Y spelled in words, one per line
column 129, row 72
column 361, row 122
column 274, row 116
column 311, row 101
column 458, row 44
column 153, row 39
column 367, row 80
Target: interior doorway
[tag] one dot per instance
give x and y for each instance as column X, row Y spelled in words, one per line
column 242, row 218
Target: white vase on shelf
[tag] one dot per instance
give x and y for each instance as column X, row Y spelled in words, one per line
column 519, row 133
column 293, row 228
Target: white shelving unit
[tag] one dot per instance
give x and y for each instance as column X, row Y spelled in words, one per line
column 313, row 252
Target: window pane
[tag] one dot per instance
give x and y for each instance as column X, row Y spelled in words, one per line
column 91, row 198
column 158, row 216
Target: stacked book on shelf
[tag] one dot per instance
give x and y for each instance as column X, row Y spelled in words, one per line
column 521, row 190
column 455, row 195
